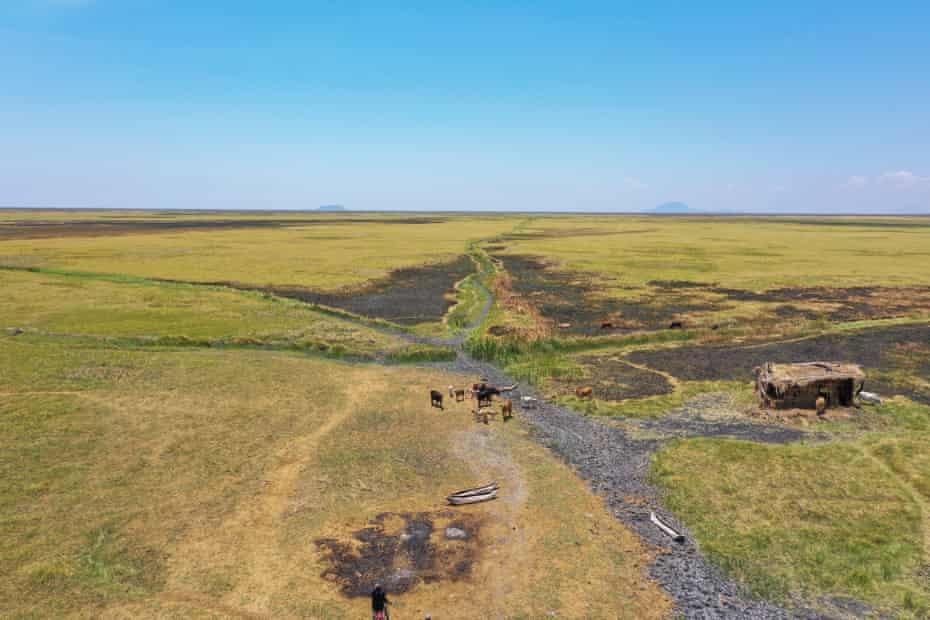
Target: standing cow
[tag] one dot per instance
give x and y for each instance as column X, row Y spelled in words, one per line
column 435, row 399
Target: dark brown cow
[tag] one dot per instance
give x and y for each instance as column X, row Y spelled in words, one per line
column 459, row 396
column 435, row 399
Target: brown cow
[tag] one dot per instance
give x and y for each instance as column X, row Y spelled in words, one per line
column 584, row 392
column 607, row 325
column 507, row 409
column 459, row 395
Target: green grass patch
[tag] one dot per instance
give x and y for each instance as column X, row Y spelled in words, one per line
column 423, row 353
column 658, row 406
column 815, row 521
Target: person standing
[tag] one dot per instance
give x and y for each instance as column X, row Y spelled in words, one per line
column 379, row 603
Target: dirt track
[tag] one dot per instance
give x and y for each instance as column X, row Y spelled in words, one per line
column 616, row 466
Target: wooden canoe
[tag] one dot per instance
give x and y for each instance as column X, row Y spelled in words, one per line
column 472, row 499
column 493, row 486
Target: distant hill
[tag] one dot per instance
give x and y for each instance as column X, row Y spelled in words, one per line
column 674, row 207
column 331, row 208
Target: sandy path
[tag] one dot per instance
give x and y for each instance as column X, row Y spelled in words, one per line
column 250, row 539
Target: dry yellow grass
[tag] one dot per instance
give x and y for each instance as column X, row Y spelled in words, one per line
column 751, row 253
column 194, row 483
column 323, row 256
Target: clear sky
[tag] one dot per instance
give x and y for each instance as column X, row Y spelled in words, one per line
column 613, row 106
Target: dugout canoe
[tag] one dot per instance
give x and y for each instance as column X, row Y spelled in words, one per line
column 457, row 500
column 493, row 486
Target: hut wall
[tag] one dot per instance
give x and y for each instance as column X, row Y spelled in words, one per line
column 838, row 393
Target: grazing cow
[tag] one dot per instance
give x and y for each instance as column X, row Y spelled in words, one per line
column 484, row 398
column 584, row 392
column 676, row 325
column 821, row 405
column 435, row 398
column 529, row 402
column 459, row 396
column 607, row 325
column 507, row 409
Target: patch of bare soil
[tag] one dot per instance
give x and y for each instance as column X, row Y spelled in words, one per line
column 402, row 550
column 889, row 350
column 714, row 414
column 613, row 379
column 43, row 229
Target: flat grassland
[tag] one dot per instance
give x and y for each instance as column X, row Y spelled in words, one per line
column 322, row 252
column 182, row 450
column 195, row 483
column 210, row 414
column 662, row 315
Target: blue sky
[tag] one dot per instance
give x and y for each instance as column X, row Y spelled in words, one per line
column 596, row 106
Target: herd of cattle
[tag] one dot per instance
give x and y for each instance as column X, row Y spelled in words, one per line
column 483, row 394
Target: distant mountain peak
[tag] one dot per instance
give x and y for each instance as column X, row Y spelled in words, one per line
column 674, row 207
column 331, row 208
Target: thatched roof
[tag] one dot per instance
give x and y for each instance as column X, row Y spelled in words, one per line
column 804, row 374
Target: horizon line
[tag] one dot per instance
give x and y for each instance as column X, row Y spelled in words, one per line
column 694, row 213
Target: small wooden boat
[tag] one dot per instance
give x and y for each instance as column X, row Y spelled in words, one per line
column 475, row 495
column 472, row 499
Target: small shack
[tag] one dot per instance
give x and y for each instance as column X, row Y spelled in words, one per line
column 798, row 386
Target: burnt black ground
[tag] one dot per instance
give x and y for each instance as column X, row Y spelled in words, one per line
column 874, row 349
column 39, row 229
column 576, row 299
column 406, row 297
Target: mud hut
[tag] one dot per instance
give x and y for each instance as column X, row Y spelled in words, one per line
column 798, row 386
